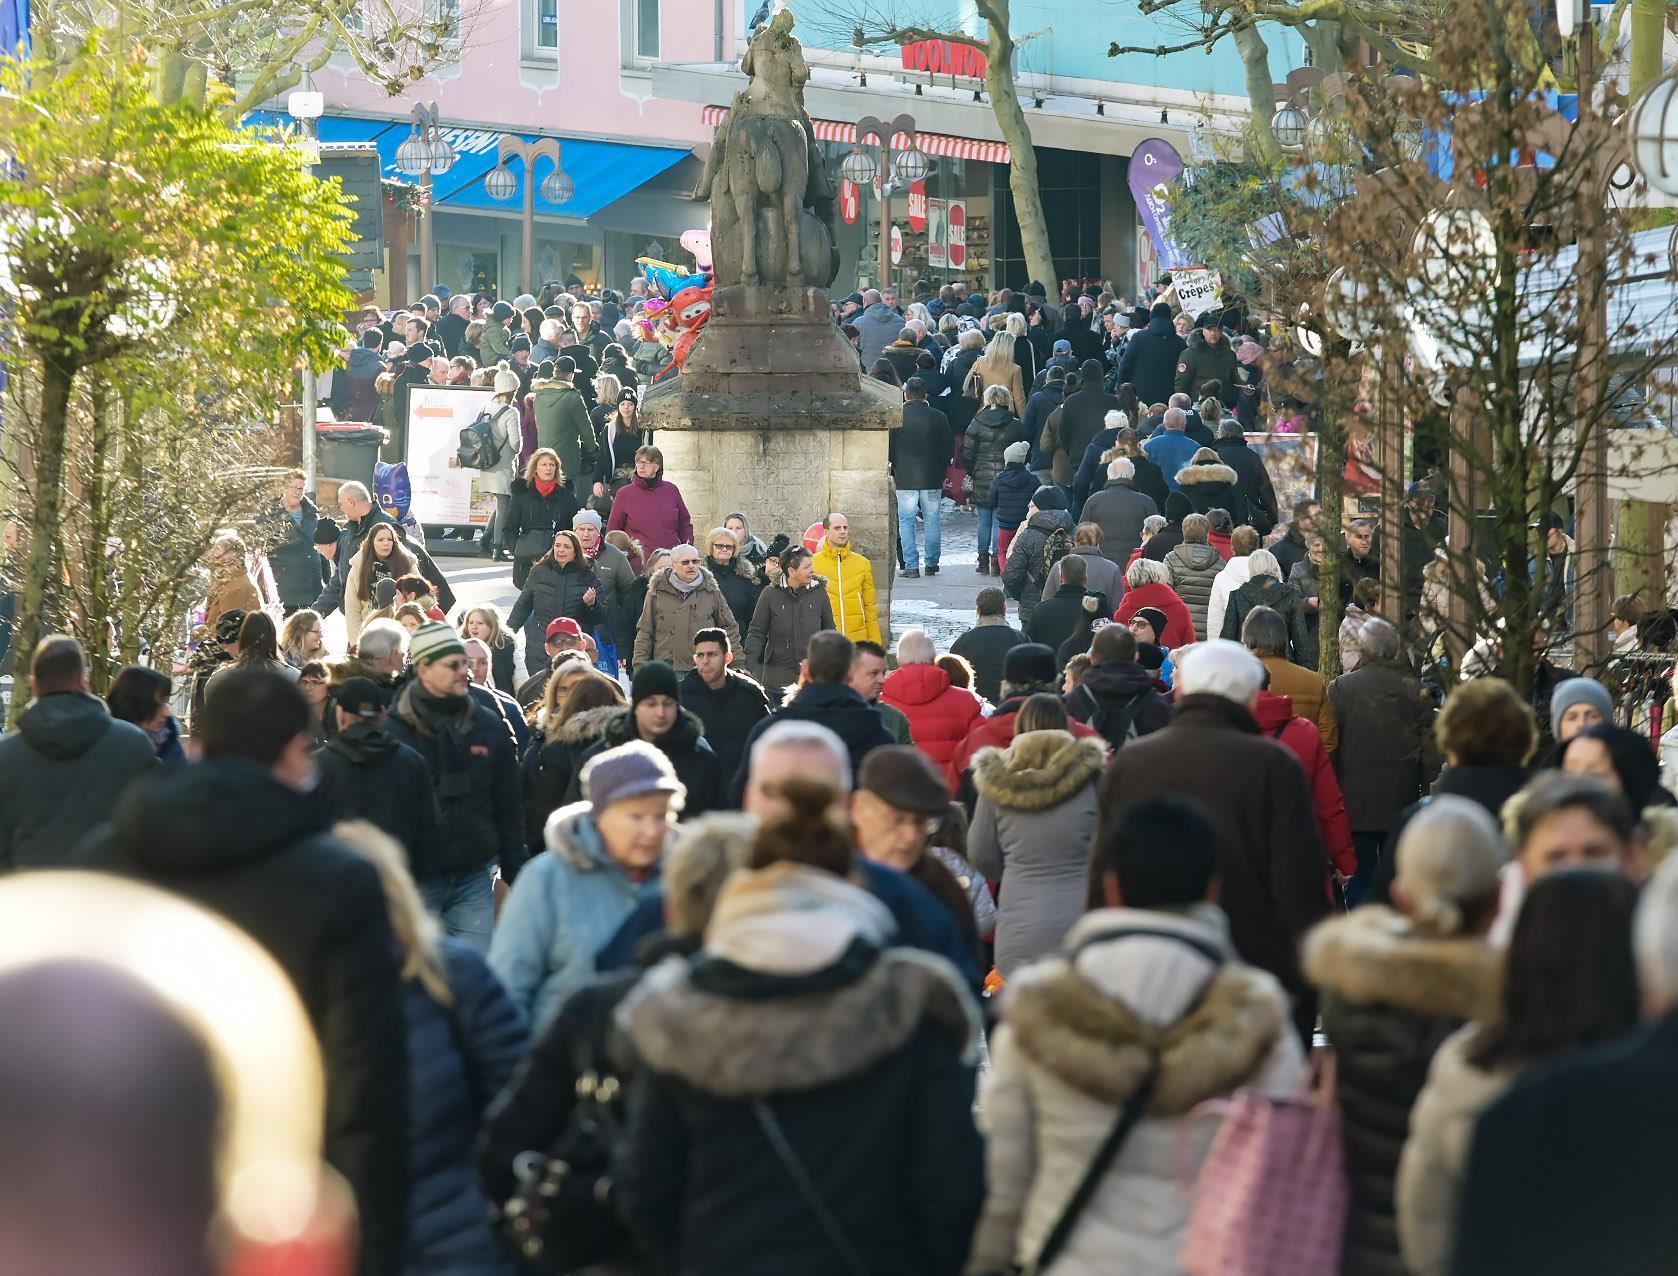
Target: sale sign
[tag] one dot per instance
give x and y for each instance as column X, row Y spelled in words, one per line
column 937, row 233
column 850, row 200
column 917, row 206
column 896, row 245
column 958, row 234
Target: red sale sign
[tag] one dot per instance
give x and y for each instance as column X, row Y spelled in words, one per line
column 917, row 206
column 896, row 245
column 850, row 200
column 958, row 234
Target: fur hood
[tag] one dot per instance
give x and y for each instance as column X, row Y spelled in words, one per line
column 1196, row 474
column 571, row 834
column 583, row 728
column 743, row 1047
column 1039, row 770
column 778, row 580
column 536, row 387
column 740, row 567
column 1096, row 1045
column 1374, row 956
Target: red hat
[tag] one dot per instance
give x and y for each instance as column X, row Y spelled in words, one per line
column 563, row 625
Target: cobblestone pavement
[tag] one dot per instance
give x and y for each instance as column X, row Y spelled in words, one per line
column 943, row 604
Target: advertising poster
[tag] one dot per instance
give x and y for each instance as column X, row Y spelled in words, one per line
column 444, row 492
column 937, row 234
column 1198, row 290
column 1291, row 460
column 957, row 217
column 1154, row 169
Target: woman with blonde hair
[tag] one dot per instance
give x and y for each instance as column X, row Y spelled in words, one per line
column 483, row 622
column 302, row 639
column 997, row 366
column 542, row 504
column 1025, row 358
column 465, row 1039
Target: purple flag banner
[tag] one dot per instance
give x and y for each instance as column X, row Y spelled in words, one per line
column 1154, row 169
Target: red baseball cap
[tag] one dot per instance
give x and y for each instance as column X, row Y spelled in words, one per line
column 564, row 625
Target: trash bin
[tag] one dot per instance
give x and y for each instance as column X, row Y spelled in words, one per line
column 347, row 450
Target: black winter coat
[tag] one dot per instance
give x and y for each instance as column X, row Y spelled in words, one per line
column 299, row 572
column 1200, row 363
column 862, row 1066
column 694, row 760
column 835, row 706
column 1056, row 617
column 1150, row 358
column 482, row 804
column 460, row 1058
column 532, row 519
column 1115, row 696
column 958, row 407
column 1210, row 487
column 551, row 591
column 227, row 835
column 1010, row 494
column 986, row 648
column 1037, row 410
column 550, row 764
column 740, row 588
column 921, row 448
column 366, row 775
column 1082, row 417
column 1254, row 481
column 992, row 430
column 727, row 714
column 1267, row 591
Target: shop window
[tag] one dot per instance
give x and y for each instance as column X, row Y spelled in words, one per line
column 541, row 29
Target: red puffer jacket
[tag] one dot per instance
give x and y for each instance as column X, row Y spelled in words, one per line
column 1276, row 718
column 940, row 715
column 994, row 732
column 1179, row 624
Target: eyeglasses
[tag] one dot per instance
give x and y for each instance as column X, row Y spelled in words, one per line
column 687, row 562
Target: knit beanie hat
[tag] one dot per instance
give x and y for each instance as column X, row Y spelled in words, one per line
column 506, row 381
column 327, row 532
column 628, row 771
column 653, row 678
column 433, row 641
column 1155, row 617
column 585, row 516
column 1449, row 854
column 1029, row 664
column 1047, row 497
column 384, row 591
column 1019, row 451
column 1579, row 691
column 1220, row 668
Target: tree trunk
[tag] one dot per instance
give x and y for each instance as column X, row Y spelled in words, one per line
column 96, row 622
column 1022, row 174
column 1331, row 484
column 41, row 564
column 1261, row 90
column 1648, row 35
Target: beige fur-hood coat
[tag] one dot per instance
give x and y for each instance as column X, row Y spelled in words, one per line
column 1077, row 1037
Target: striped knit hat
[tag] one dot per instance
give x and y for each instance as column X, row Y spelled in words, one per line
column 433, row 641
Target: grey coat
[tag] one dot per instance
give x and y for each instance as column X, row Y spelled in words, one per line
column 1032, row 828
column 1024, row 574
column 1105, row 576
column 782, row 625
column 617, row 579
column 1193, row 568
column 508, row 432
column 1119, row 509
column 61, row 774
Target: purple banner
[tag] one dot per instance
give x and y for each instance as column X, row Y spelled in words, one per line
column 1154, row 169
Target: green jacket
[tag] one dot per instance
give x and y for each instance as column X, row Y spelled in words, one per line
column 493, row 345
column 562, row 424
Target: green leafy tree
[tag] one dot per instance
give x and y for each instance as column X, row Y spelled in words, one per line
column 169, row 272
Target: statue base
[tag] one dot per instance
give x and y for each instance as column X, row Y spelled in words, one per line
column 772, row 417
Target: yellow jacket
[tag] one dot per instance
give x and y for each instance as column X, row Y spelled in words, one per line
column 850, row 588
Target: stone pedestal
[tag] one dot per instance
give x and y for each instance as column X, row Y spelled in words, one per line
column 772, row 417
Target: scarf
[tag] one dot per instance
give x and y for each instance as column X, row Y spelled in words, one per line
column 789, row 919
column 686, row 587
column 545, row 487
column 448, row 721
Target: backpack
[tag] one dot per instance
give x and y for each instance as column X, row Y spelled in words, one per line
column 478, row 449
column 1056, row 546
column 1123, row 723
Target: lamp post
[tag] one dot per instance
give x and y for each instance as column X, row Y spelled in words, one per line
column 909, row 165
column 306, row 106
column 425, row 154
column 557, row 188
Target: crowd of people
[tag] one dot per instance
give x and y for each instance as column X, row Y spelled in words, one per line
column 673, row 921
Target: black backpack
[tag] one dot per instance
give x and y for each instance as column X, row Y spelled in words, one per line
column 1117, row 728
column 478, row 449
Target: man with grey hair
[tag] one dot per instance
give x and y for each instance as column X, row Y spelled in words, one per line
column 1386, row 757
column 1118, row 509
column 360, row 517
column 1171, row 448
column 1573, row 1170
column 1271, row 852
column 939, row 714
column 1252, row 480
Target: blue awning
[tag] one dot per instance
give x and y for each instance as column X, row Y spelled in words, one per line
column 603, row 172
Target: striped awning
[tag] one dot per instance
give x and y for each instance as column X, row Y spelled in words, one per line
column 967, row 148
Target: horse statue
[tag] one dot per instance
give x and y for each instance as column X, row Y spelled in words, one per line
column 771, row 198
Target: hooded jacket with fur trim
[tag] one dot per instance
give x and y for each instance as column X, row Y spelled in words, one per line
column 1077, row 1037
column 555, row 759
column 1032, row 828
column 1213, row 486
column 670, row 619
column 1390, row 997
column 865, row 1065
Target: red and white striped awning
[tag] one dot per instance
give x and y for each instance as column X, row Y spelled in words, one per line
column 968, row 148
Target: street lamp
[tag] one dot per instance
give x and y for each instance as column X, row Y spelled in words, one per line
column 1288, row 126
column 425, row 153
column 306, row 105
column 1653, row 135
column 557, row 187
column 911, row 165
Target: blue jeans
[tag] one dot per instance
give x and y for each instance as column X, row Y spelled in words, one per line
column 987, row 530
column 465, row 902
column 929, row 503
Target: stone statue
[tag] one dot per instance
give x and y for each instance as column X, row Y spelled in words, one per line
column 771, row 198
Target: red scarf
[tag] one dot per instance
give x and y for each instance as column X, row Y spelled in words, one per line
column 546, row 488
